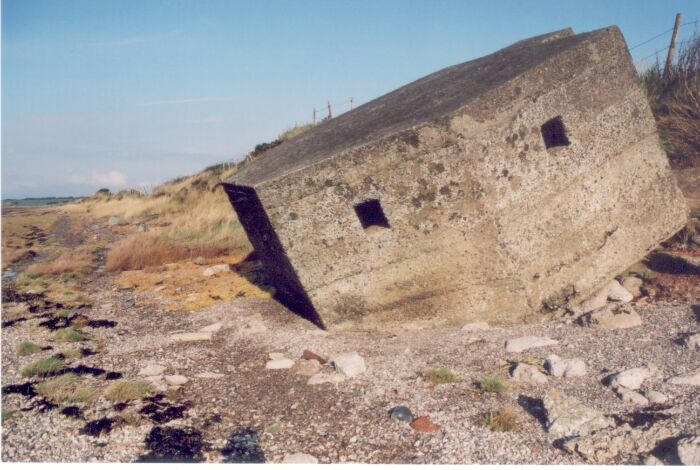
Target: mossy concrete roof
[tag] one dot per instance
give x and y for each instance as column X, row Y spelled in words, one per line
column 426, row 99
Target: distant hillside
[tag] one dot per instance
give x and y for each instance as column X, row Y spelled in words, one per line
column 39, row 201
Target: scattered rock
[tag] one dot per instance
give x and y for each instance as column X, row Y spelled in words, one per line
column 309, row 355
column 200, row 261
column 692, row 378
column 254, row 325
column 655, row 397
column 349, row 364
column 196, row 336
column 631, row 378
column 517, row 345
column 529, row 374
column 617, row 293
column 423, row 424
column 282, row 363
column 568, row 417
column 191, row 297
column 326, row 378
column 630, row 396
column 692, row 342
column 612, row 317
column 633, row 285
column 596, row 301
column 300, row 458
column 176, row 379
column 276, row 355
column 159, row 288
column 142, row 228
column 152, row 369
column 216, row 269
column 114, row 220
column 478, row 326
column 603, row 446
column 689, row 450
column 559, row 367
column 308, row 368
column 209, row 375
column 652, row 460
column 401, row 413
column 213, row 328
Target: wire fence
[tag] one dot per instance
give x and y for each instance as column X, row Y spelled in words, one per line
column 332, row 109
column 642, row 61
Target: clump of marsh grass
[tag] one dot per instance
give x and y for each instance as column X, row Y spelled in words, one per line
column 441, row 375
column 27, row 348
column 503, row 420
column 125, row 390
column 70, row 335
column 66, row 388
column 492, row 385
column 42, row 367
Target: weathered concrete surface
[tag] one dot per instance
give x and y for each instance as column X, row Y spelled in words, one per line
column 486, row 222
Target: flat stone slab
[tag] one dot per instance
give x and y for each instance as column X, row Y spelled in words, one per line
column 281, row 363
column 213, row 328
column 517, row 345
column 176, row 379
column 210, row 375
column 477, row 326
column 692, row 378
column 300, row 458
column 152, row 369
column 195, row 336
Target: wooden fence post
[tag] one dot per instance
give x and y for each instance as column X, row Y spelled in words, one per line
column 672, row 46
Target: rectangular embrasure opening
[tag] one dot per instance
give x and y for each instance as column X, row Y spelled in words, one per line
column 371, row 214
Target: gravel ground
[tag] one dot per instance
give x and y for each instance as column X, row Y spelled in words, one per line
column 255, row 414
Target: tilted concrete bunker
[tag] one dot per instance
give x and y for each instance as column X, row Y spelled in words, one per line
column 496, row 190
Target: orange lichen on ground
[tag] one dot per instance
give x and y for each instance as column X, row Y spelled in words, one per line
column 183, row 286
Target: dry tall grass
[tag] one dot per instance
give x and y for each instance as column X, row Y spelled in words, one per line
column 145, row 250
column 675, row 102
column 69, row 262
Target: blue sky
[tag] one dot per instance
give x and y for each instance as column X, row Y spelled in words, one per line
column 129, row 93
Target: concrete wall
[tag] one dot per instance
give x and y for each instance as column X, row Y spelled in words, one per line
column 487, row 223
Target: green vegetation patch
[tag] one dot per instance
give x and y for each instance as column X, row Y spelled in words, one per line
column 42, row 367
column 126, row 390
column 441, row 375
column 27, row 348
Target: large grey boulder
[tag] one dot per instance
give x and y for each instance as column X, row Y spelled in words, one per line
column 528, row 374
column 631, row 379
column 612, row 317
column 692, row 378
column 567, row 417
column 349, row 364
column 689, row 450
column 559, row 367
